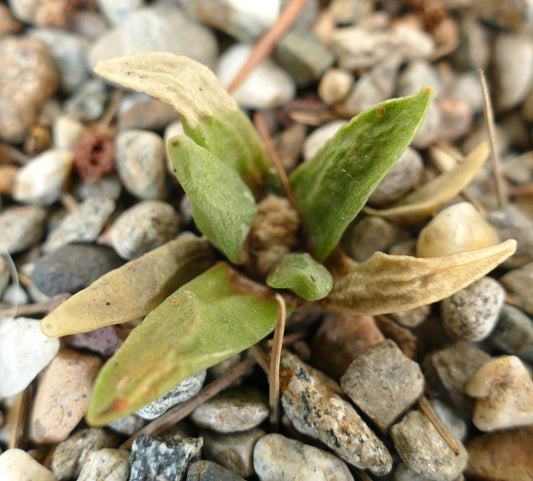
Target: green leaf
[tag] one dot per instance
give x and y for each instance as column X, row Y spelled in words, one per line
column 333, row 186
column 132, row 290
column 223, row 206
column 213, row 317
column 302, row 275
column 210, row 115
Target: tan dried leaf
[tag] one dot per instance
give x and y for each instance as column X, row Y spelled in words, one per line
column 429, row 198
column 386, row 283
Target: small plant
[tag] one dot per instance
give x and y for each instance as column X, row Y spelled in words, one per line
column 222, row 165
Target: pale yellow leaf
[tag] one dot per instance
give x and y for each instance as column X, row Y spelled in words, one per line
column 429, row 198
column 386, row 283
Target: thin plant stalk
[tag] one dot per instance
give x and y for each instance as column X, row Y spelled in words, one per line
column 275, row 358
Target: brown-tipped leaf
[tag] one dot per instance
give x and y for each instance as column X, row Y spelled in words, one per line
column 386, row 283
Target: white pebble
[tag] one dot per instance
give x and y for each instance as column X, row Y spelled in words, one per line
column 66, row 131
column 315, row 141
column 18, row 465
column 106, row 465
column 504, row 392
column 24, row 352
column 335, row 85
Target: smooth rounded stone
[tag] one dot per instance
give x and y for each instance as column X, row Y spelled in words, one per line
column 513, row 333
column 28, row 78
column 184, row 391
column 41, row 180
column 351, row 12
column 63, row 395
column 240, row 18
column 66, row 131
column 277, row 458
column 70, row 456
column 506, row 14
column 417, row 74
column 167, row 460
column 232, row 411
column 143, row 227
column 404, row 473
column 363, row 238
column 21, row 227
column 340, row 339
column 163, row 28
column 233, row 451
column 15, row 295
column 116, row 11
column 412, row 317
column 210, row 471
column 312, row 401
column 423, row 449
column 449, row 369
column 88, row 101
column 104, row 341
column 453, row 423
column 303, row 55
column 18, row 465
column 472, row 313
column 513, row 223
column 108, row 188
column 519, row 286
column 503, row 389
column 268, row 86
column 474, row 48
column 127, row 425
column 383, row 383
column 316, row 140
column 465, row 86
column 335, row 85
column 513, row 70
column 429, row 130
column 140, row 111
column 24, row 10
column 140, row 161
column 404, row 175
column 72, row 268
column 456, row 117
column 457, row 228
column 501, row 456
column 24, row 352
column 69, row 51
column 106, row 465
column 83, row 224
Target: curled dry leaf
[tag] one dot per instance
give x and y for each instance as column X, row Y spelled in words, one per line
column 132, row 290
column 433, row 195
column 209, row 114
column 386, row 283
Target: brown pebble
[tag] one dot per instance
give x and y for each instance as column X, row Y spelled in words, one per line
column 63, row 395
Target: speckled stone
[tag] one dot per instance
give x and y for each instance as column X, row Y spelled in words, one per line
column 422, row 448
column 140, row 161
column 72, row 268
column 210, row 471
column 87, row 102
column 152, row 459
column 513, row 333
column 472, row 313
column 29, row 77
column 18, row 465
column 82, row 224
column 232, row 411
column 21, row 227
column 63, row 395
column 70, row 456
column 383, row 383
column 519, row 286
column 313, row 403
column 233, row 451
column 106, row 465
column 184, row 391
column 107, row 188
column 143, row 227
column 277, row 457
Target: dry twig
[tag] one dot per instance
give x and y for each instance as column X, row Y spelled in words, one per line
column 426, row 408
column 275, row 357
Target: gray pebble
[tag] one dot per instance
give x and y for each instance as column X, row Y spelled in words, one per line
column 472, row 313
column 210, row 471
column 232, row 411
column 184, row 391
column 15, row 295
column 519, row 286
column 506, row 14
column 383, row 383
column 465, row 87
column 143, row 227
column 233, row 451
column 72, row 268
column 473, row 50
column 277, row 458
column 70, row 456
column 455, row 119
column 140, row 111
column 106, row 465
column 116, row 11
column 21, row 228
column 514, row 333
column 108, row 188
column 83, row 224
column 313, row 403
column 140, row 161
column 429, row 130
column 449, row 369
column 422, row 449
column 88, row 101
column 153, row 459
column 164, row 28
column 417, row 74
column 453, row 423
column 127, row 425
column 404, row 175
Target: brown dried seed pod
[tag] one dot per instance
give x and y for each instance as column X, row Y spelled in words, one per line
column 94, row 156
